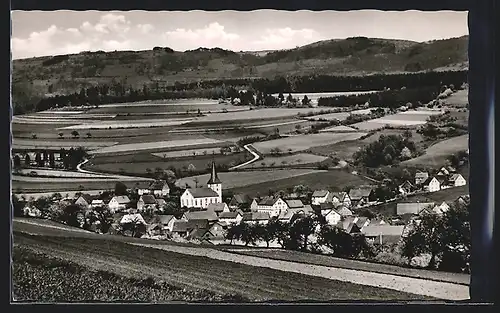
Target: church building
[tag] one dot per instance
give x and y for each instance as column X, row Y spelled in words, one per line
column 203, row 197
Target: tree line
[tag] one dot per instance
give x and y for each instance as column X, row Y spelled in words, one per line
column 261, row 88
column 70, row 158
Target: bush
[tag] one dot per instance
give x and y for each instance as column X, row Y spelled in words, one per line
column 391, row 258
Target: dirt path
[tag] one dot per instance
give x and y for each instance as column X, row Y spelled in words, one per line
column 441, row 290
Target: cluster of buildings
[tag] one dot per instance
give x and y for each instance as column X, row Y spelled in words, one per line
column 446, row 177
column 207, row 217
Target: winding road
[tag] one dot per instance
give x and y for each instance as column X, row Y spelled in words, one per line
column 256, row 157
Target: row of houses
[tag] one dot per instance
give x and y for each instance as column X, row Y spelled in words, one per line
column 445, row 178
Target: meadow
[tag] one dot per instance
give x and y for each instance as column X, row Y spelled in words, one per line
column 437, row 154
column 232, row 180
column 402, row 119
column 304, row 142
column 287, row 160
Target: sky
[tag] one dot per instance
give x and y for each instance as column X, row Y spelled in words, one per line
column 39, row 33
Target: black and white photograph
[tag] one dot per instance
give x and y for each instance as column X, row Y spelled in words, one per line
column 240, row 157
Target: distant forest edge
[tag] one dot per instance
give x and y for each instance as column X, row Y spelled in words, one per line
column 396, row 90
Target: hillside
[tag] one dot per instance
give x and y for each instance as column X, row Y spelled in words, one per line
column 353, row 56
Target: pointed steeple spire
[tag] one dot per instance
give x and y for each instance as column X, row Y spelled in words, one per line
column 214, row 179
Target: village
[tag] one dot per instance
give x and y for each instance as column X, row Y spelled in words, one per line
column 202, row 216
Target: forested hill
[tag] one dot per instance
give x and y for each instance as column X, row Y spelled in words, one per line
column 161, row 67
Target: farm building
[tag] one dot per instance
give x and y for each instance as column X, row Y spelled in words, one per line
column 118, row 203
column 200, row 215
column 165, row 221
column 343, row 211
column 97, row 203
column 202, row 197
column 184, row 228
column 146, row 203
column 319, row 196
column 383, row 234
column 230, row 217
column 361, row 194
column 349, row 226
column 421, row 177
column 256, row 218
column 31, row 211
column 218, row 207
column 270, row 205
column 161, row 203
column 239, row 201
column 432, row 184
column 412, row 208
column 142, row 188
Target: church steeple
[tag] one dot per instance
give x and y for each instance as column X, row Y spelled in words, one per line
column 214, row 179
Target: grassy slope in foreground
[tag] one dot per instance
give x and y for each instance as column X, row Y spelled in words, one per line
column 325, row 260
column 203, row 273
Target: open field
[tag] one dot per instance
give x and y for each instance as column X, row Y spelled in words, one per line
column 134, row 164
column 329, row 117
column 338, row 129
column 318, row 259
column 295, row 159
column 160, row 145
column 232, row 180
column 61, row 185
column 273, row 113
column 345, row 149
column 300, row 143
column 58, row 144
column 192, row 271
column 166, row 106
column 436, row 154
column 60, row 173
column 68, row 193
column 187, row 153
column 128, row 124
column 333, row 179
column 408, row 119
column 75, row 180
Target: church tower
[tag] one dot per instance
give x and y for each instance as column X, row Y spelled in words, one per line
column 214, row 182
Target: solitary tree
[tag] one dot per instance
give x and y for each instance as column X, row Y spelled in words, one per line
column 89, row 135
column 75, row 134
column 17, row 161
column 120, row 189
column 61, row 135
column 27, row 160
column 34, row 136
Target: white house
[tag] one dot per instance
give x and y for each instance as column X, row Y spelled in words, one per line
column 118, row 203
column 203, row 197
column 331, row 216
column 84, row 200
column 31, row 211
column 440, row 209
column 457, row 180
column 319, row 196
column 159, row 188
column 166, row 221
column 432, row 184
column 272, row 206
column 142, row 188
column 230, row 217
column 406, row 188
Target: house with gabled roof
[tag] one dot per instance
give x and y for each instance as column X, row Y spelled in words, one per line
column 256, row 218
column 344, row 212
column 230, row 217
column 166, row 221
column 239, row 200
column 97, row 203
column 159, row 188
column 412, row 208
column 210, row 216
column 84, row 200
column 348, row 226
column 218, row 208
column 273, row 206
column 432, row 184
column 361, row 221
column 340, row 198
column 319, row 196
column 142, row 188
column 361, row 194
column 406, row 188
column 421, row 177
column 118, row 203
column 294, row 204
column 331, row 216
column 146, row 203
column 383, row 234
column 457, row 180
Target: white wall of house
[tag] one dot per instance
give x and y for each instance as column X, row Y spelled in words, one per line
column 319, row 200
column 141, row 192
column 189, row 201
column 460, row 181
column 115, row 206
column 433, row 185
column 81, row 202
column 229, row 221
column 170, row 224
column 331, row 217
